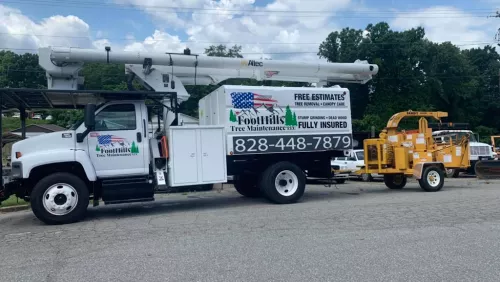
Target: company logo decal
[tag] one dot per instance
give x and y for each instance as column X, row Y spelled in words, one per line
column 246, row 105
column 252, row 63
column 270, row 74
column 114, row 146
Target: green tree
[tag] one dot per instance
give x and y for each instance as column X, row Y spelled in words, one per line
column 232, row 116
column 289, row 117
column 222, row 51
column 134, row 149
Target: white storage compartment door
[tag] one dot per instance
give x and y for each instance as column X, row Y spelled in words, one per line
column 213, row 155
column 184, row 157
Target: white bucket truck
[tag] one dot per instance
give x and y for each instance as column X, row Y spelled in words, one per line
column 479, row 151
column 269, row 138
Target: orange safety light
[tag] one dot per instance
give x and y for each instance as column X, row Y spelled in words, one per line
column 164, row 147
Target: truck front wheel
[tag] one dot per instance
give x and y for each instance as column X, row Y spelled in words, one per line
column 60, row 198
column 283, row 183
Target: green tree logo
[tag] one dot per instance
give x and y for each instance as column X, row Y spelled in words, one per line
column 134, row 149
column 97, row 148
column 232, row 116
column 290, row 117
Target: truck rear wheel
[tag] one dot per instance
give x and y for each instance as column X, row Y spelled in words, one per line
column 283, row 183
column 395, row 181
column 60, row 198
column 432, row 179
column 246, row 185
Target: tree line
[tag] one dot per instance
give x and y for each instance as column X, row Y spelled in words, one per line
column 414, row 73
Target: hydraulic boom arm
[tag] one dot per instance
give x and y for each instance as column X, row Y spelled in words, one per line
column 157, row 71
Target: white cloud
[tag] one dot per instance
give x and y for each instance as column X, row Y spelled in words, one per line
column 21, row 34
column 159, row 42
column 456, row 25
column 239, row 22
column 162, row 11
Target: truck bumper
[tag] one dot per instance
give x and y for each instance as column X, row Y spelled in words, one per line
column 12, row 182
column 8, row 190
column 340, row 174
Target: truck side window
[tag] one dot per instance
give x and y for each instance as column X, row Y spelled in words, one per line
column 116, row 117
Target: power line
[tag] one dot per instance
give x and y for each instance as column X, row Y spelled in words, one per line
column 257, row 13
column 229, row 42
column 219, row 9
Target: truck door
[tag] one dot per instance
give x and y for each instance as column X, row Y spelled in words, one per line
column 116, row 146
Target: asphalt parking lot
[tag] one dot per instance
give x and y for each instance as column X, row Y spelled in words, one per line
column 352, row 232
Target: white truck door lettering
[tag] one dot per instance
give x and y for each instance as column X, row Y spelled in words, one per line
column 114, row 146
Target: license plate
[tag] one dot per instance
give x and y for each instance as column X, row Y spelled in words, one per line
column 160, row 177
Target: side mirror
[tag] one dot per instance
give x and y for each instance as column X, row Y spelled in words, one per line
column 89, row 116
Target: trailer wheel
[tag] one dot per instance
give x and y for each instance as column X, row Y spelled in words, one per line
column 432, row 179
column 340, row 181
column 283, row 183
column 395, row 181
column 60, row 198
column 246, row 185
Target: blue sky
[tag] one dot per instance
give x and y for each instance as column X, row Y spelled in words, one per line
column 293, row 31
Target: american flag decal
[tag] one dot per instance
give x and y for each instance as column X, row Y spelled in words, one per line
column 108, row 139
column 249, row 100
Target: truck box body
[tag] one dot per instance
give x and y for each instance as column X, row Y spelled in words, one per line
column 260, row 119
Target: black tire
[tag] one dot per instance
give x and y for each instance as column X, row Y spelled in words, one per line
column 452, row 173
column 81, row 205
column 246, row 185
column 366, row 177
column 292, row 175
column 432, row 179
column 340, row 181
column 395, row 181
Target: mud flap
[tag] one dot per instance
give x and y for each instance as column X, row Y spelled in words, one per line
column 489, row 169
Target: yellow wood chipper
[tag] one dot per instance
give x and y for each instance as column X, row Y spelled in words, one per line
column 401, row 154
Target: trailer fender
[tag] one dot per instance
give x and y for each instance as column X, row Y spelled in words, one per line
column 41, row 158
column 419, row 168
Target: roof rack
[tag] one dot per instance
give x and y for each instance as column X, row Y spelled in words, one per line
column 26, row 98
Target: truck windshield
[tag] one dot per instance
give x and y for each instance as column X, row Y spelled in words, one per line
column 75, row 125
column 459, row 135
column 360, row 155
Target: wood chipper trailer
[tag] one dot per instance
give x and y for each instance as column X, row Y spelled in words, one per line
column 398, row 154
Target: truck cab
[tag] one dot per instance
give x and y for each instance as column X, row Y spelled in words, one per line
column 353, row 160
column 478, row 150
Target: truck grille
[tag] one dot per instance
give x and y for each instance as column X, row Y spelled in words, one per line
column 480, row 151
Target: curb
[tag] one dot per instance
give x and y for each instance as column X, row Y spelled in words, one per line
column 14, row 208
